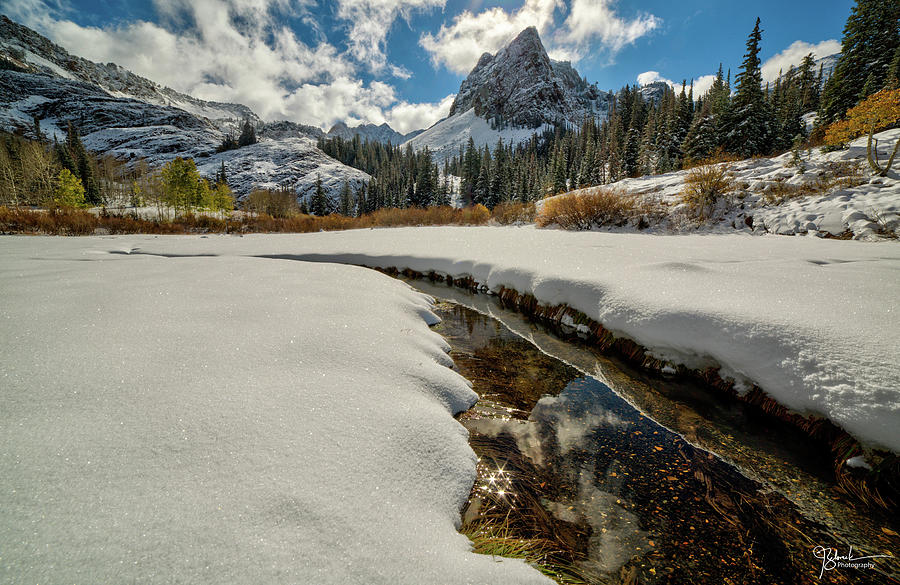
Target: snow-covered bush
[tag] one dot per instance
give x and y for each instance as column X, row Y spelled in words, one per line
column 704, row 187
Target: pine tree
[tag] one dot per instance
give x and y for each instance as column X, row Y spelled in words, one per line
column 747, row 125
column 248, row 135
column 871, row 39
column 346, row 200
column 701, row 139
column 319, row 199
column 84, row 169
column 809, row 88
column 893, row 76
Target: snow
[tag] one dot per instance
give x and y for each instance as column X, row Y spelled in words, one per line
column 859, row 462
column 444, row 138
column 294, row 163
column 867, row 210
column 226, row 419
column 812, row 322
column 53, row 67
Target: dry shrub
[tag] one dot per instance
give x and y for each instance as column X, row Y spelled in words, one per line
column 78, row 222
column 705, row 186
column 514, row 213
column 584, row 210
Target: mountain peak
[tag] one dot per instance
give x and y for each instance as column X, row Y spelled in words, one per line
column 521, row 86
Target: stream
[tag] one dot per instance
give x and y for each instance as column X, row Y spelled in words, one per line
column 636, row 478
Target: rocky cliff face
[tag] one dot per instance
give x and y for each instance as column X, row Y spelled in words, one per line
column 521, row 86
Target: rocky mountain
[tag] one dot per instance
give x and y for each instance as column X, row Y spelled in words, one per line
column 512, row 95
column 521, row 86
column 130, row 118
column 43, row 56
column 382, row 133
column 653, row 92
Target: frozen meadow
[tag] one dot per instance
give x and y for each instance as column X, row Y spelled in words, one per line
column 220, row 409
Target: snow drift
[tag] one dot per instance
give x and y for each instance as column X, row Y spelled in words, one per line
column 226, row 419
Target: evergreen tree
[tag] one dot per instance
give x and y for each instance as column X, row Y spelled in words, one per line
column 747, row 125
column 871, row 39
column 84, row 169
column 248, row 135
column 893, row 76
column 346, row 200
column 701, row 139
column 221, row 176
column 319, row 200
column 809, row 87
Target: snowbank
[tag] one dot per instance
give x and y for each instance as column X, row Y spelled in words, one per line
column 815, row 323
column 868, row 210
column 225, row 419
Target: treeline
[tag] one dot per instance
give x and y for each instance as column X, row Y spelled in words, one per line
column 44, row 173
column 645, row 135
column 401, row 177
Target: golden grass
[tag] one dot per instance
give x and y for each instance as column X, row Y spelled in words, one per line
column 704, row 186
column 586, row 209
column 73, row 222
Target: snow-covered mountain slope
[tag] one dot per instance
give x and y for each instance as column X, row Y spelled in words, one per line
column 43, row 56
column 130, row 130
column 290, row 163
column 122, row 127
column 383, row 133
column 512, row 95
column 446, row 137
column 285, row 129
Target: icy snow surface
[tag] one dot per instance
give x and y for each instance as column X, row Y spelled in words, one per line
column 225, row 419
column 813, row 322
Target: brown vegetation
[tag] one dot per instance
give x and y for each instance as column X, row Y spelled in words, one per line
column 705, row 186
column 514, row 213
column 74, row 222
column 840, row 175
column 583, row 210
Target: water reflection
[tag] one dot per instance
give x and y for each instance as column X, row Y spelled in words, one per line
column 563, row 458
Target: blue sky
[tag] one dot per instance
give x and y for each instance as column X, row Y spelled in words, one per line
column 401, row 61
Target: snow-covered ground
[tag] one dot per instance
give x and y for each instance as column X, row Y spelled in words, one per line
column 815, row 323
column 868, row 210
column 226, row 419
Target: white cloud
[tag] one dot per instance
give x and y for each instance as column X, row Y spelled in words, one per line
column 237, row 51
column 370, row 21
column 459, row 45
column 405, row 117
column 648, row 77
column 794, row 54
column 591, row 20
column 590, row 24
column 702, row 85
